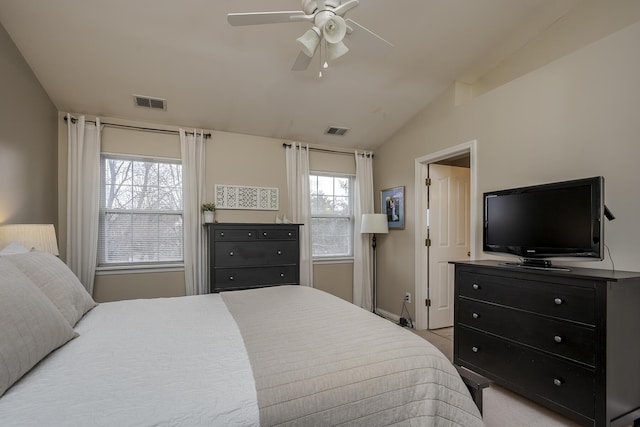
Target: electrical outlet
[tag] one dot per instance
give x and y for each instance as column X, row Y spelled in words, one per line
column 407, row 297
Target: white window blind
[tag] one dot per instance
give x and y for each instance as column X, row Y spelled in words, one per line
column 140, row 211
column 331, row 215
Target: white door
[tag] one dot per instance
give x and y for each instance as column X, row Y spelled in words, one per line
column 449, row 224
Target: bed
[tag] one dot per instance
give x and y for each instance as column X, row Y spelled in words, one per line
column 278, row 356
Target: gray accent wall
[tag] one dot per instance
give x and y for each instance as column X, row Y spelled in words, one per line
column 28, row 143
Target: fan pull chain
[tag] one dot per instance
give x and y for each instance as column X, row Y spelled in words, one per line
column 323, row 62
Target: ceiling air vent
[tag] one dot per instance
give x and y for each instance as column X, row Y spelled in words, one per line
column 336, row 131
column 149, row 102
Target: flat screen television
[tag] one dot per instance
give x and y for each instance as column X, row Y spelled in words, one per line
column 562, row 219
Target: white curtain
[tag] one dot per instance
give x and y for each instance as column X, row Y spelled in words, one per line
column 362, row 259
column 192, row 147
column 83, row 198
column 297, row 158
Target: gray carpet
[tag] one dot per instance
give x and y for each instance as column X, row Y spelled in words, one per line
column 501, row 408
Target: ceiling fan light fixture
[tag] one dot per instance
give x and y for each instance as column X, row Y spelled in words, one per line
column 309, row 41
column 329, row 28
column 336, row 50
column 334, row 29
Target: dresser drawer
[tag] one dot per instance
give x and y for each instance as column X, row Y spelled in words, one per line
column 559, row 337
column 278, row 234
column 557, row 300
column 231, row 254
column 235, row 234
column 241, row 278
column 545, row 376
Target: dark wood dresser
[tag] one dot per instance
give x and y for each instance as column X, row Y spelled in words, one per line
column 243, row 256
column 569, row 340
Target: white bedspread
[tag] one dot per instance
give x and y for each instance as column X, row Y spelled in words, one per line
column 321, row 361
column 191, row 371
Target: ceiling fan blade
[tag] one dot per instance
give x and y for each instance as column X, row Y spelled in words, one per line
column 320, row 5
column 256, row 18
column 302, row 62
column 366, row 30
column 345, row 7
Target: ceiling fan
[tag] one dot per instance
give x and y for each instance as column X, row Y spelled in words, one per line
column 328, row 31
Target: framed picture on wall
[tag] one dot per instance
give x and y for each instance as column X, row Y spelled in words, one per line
column 392, row 205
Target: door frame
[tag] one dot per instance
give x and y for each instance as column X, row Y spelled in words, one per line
column 421, row 291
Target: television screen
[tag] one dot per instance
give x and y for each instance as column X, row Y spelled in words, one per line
column 550, row 220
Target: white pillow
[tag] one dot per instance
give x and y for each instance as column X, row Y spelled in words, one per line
column 32, row 327
column 54, row 278
column 13, row 248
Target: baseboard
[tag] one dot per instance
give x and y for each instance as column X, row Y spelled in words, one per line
column 389, row 316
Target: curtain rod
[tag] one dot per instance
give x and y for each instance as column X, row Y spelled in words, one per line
column 115, row 125
column 324, row 150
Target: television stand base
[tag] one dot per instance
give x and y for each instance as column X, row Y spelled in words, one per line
column 535, row 264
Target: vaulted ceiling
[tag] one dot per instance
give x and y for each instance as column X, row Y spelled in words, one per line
column 91, row 56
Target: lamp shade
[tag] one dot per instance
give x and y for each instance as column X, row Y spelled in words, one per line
column 374, row 223
column 336, row 50
column 41, row 237
column 334, row 29
column 309, row 41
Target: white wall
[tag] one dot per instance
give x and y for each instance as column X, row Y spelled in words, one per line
column 577, row 116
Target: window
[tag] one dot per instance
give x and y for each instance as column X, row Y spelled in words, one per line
column 331, row 215
column 140, row 211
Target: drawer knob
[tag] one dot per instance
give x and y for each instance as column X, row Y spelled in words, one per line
column 475, row 286
column 279, row 252
column 475, row 315
column 281, row 274
column 557, row 338
column 231, row 253
column 290, row 234
column 222, row 234
column 558, row 301
column 474, row 349
column 230, row 277
column 250, row 234
column 557, row 382
column 264, row 234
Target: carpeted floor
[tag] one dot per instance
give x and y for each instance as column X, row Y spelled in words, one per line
column 501, row 408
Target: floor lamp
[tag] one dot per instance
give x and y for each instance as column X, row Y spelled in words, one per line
column 374, row 224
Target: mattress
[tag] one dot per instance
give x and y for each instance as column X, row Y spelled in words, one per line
column 279, row 356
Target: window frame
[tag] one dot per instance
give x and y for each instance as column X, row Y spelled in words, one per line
column 335, row 259
column 137, row 266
